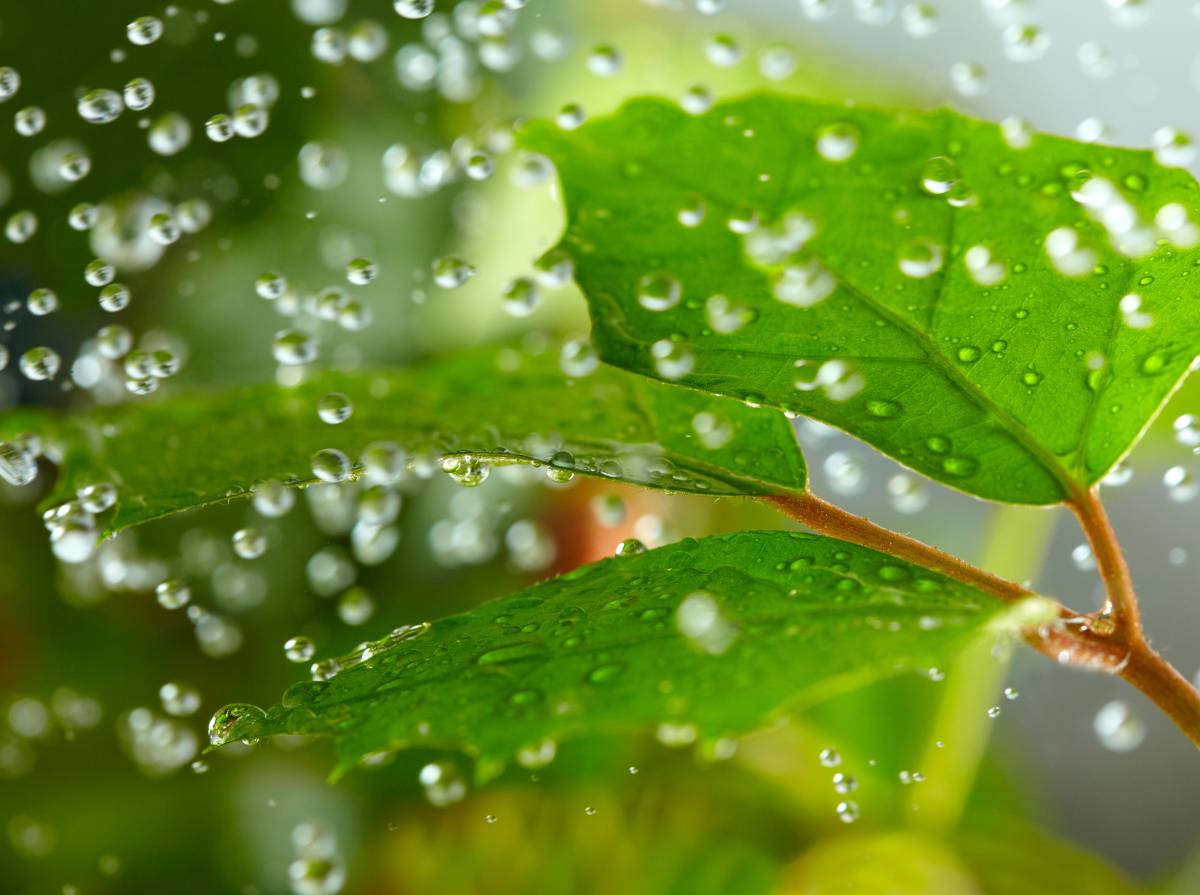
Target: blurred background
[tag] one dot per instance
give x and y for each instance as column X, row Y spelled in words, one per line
column 296, row 135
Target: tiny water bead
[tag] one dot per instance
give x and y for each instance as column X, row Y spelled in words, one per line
column 443, row 784
column 847, row 811
column 837, row 141
column 293, row 347
column 138, row 94
column 334, row 408
column 331, row 465
column 658, row 291
column 1117, row 728
column 299, row 649
column 144, row 30
column 17, row 466
column 42, row 302
column 630, row 547
column 361, row 271
column 179, row 699
column 40, row 364
column 99, row 272
column 236, row 716
column 450, row 273
column 114, row 297
column 829, row 758
column 249, row 543
column 173, row 594
column 604, row 60
column 521, row 297
column 30, row 121
column 466, row 470
column 672, row 360
column 414, row 9
column 100, row 106
column 10, row 83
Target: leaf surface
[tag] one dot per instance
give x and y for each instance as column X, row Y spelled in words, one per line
column 955, row 297
column 704, row 638
column 502, row 405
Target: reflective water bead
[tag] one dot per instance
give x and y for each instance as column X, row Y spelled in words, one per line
column 299, row 649
column 939, row 175
column 355, row 606
column 42, row 302
column 334, row 408
column 17, row 466
column 30, row 121
column 578, row 357
column 630, row 547
column 179, row 699
column 250, row 120
column 443, row 784
column 113, row 341
column 249, row 543
column 413, row 9
column 658, row 291
column 219, row 128
column 361, row 271
column 173, row 594
column 100, row 106
column 604, row 60
column 331, row 465
column 21, row 226
column 144, row 30
column 270, row 285
column 1025, row 42
column 672, row 360
column 249, row 718
column 114, row 297
column 468, row 471
column 919, row 258
column 138, row 94
column 1117, row 728
column 40, row 363
column 272, row 498
column 723, row 50
column 570, row 116
column 293, row 347
column 10, row 82
column 553, row 269
column 169, row 134
column 83, row 216
column 450, row 273
column 697, row 99
column 837, row 141
column 1187, row 430
column 829, row 758
column 97, row 497
column 1182, row 486
column 99, row 272
column 521, row 297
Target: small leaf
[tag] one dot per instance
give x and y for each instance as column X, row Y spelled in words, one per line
column 703, row 638
column 494, row 405
column 1001, row 312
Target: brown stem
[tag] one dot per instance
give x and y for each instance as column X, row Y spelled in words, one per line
column 1122, row 604
column 822, row 516
column 1111, row 641
column 1166, row 687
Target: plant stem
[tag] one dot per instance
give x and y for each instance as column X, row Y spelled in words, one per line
column 822, row 516
column 1111, row 641
column 1122, row 604
column 1174, row 694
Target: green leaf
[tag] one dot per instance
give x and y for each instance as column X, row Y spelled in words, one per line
column 705, row 637
column 503, row 405
column 1000, row 370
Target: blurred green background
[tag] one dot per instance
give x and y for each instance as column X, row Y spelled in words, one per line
column 366, row 156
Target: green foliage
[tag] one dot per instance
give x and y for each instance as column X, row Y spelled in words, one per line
column 704, row 637
column 504, row 405
column 1009, row 371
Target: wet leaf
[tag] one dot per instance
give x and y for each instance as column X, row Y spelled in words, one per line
column 496, row 405
column 702, row 639
column 954, row 292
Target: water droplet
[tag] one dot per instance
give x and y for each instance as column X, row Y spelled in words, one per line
column 658, row 291
column 1117, row 729
column 837, row 141
column 244, row 718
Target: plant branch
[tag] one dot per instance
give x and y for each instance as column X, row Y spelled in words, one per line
column 1121, row 604
column 1111, row 641
column 820, row 515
